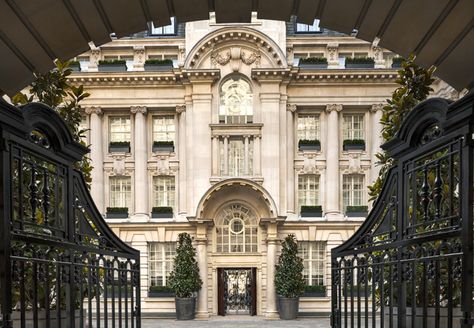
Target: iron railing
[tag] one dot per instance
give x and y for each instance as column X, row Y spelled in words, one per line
column 410, row 263
column 60, row 264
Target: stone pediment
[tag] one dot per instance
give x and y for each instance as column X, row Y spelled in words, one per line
column 235, row 47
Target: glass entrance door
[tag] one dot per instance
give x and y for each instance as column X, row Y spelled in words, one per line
column 237, row 291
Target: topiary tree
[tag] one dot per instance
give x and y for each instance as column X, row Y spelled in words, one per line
column 289, row 280
column 184, row 280
column 415, row 83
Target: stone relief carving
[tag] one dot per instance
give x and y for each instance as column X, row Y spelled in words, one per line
column 291, row 107
column 180, row 108
column 219, row 58
column 139, row 55
column 333, row 107
column 250, row 59
column 118, row 168
column 93, row 110
column 138, row 109
column 236, row 55
column 376, row 107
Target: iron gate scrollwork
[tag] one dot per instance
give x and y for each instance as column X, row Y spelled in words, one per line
column 410, row 263
column 60, row 264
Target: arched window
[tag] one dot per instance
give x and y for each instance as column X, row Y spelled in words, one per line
column 236, row 100
column 236, row 230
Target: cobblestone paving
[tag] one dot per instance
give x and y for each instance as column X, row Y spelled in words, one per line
column 237, row 322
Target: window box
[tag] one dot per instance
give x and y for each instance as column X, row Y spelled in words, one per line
column 158, row 65
column 75, row 66
column 119, row 147
column 160, row 291
column 356, row 211
column 311, row 211
column 315, row 291
column 397, row 62
column 163, row 146
column 117, row 212
column 313, row 63
column 112, row 65
column 360, row 62
column 309, row 145
column 162, row 212
column 353, row 144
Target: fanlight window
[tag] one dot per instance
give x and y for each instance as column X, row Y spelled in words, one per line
column 236, row 230
column 236, row 101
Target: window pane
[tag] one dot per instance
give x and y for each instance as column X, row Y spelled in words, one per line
column 353, row 127
column 313, row 254
column 308, row 127
column 119, row 129
column 164, row 191
column 236, row 230
column 308, row 189
column 163, row 128
column 120, row 191
column 308, row 28
column 353, row 190
column 164, row 30
column 160, row 262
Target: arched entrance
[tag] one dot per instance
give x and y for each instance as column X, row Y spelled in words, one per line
column 240, row 221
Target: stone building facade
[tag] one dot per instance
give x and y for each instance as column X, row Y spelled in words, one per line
column 218, row 139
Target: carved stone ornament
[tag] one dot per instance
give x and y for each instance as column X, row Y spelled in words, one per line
column 93, row 110
column 180, row 108
column 376, row 107
column 333, row 107
column 332, row 49
column 251, row 58
column 138, row 109
column 139, row 54
column 220, row 58
column 235, row 54
column 291, row 107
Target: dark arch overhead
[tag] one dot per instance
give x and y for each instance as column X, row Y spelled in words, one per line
column 34, row 33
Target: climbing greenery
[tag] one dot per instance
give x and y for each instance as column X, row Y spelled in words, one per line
column 289, row 280
column 184, row 280
column 415, row 85
column 55, row 90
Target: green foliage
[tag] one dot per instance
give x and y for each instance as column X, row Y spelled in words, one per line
column 119, row 144
column 311, row 209
column 360, row 60
column 117, row 209
column 162, row 209
column 160, row 289
column 414, row 87
column 54, row 90
column 353, row 142
column 184, row 280
column 112, row 62
column 163, row 144
column 359, row 208
column 163, row 62
column 289, row 280
column 313, row 60
column 306, row 142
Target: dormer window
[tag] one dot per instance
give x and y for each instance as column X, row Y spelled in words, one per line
column 236, row 101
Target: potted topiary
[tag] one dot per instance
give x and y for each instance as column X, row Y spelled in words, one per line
column 305, row 144
column 162, row 212
column 117, row 212
column 119, row 147
column 359, row 62
column 353, row 144
column 289, row 280
column 163, row 146
column 184, row 280
column 311, row 211
column 356, row 211
column 158, row 64
column 313, row 62
column 314, row 291
column 114, row 65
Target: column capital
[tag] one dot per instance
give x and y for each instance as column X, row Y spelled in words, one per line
column 93, row 110
column 376, row 107
column 291, row 107
column 138, row 109
column 180, row 108
column 333, row 107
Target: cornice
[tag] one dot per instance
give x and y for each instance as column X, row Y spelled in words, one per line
column 338, row 75
column 271, row 73
column 125, row 78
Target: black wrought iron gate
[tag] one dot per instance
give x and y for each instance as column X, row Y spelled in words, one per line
column 60, row 264
column 411, row 262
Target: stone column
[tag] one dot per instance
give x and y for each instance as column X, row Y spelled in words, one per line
column 272, row 241
column 290, row 143
column 332, row 161
column 257, row 169
column 181, row 151
column 226, row 155
column 246, row 155
column 377, row 140
column 215, row 155
column 141, row 159
column 201, row 242
column 96, row 156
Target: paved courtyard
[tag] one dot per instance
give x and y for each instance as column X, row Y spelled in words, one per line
column 237, row 322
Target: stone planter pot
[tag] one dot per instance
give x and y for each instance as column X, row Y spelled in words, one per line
column 185, row 308
column 357, row 214
column 288, row 307
column 112, row 68
column 311, row 214
column 53, row 322
column 117, row 215
column 431, row 317
column 359, row 65
column 161, row 215
column 313, row 66
column 158, row 68
column 354, row 147
column 310, row 147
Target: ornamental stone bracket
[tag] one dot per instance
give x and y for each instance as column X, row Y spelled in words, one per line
column 93, row 110
column 333, row 55
column 181, row 108
column 333, row 107
column 139, row 57
column 291, row 108
column 138, row 109
column 376, row 107
column 378, row 56
column 95, row 56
